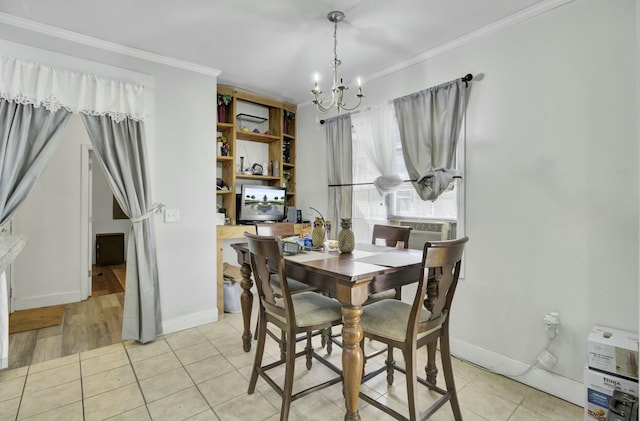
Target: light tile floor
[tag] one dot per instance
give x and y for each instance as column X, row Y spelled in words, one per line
column 202, row 374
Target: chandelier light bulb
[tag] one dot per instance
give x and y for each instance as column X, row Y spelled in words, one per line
column 338, row 88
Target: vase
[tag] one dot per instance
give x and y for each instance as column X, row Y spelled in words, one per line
column 346, row 239
column 317, row 235
column 222, row 113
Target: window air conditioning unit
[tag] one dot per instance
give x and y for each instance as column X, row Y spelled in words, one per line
column 427, row 230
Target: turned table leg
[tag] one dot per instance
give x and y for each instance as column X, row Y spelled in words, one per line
column 352, row 359
column 246, row 302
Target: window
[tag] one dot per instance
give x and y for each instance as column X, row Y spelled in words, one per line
column 437, row 220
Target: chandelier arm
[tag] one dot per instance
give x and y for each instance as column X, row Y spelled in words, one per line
column 344, row 107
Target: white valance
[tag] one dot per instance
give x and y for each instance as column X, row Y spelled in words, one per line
column 54, row 88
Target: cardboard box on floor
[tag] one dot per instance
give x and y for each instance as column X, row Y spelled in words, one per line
column 599, row 388
column 613, row 351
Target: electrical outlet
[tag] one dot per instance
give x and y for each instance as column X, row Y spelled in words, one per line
column 551, row 324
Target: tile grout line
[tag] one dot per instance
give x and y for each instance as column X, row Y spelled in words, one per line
column 84, row 414
column 144, row 399
column 192, row 379
column 24, row 386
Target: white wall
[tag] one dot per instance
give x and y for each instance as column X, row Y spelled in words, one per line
column 551, row 184
column 181, row 150
column 102, row 205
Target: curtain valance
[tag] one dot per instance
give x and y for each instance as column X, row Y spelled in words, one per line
column 54, row 88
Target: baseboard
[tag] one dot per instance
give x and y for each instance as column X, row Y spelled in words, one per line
column 551, row 383
column 190, row 320
column 46, row 300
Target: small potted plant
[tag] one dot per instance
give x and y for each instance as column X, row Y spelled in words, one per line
column 223, row 101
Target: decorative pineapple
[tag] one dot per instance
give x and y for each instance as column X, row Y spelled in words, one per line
column 346, row 240
column 317, row 236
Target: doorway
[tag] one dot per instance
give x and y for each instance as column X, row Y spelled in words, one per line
column 60, row 222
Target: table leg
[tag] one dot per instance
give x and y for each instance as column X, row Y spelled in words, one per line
column 246, row 302
column 352, row 358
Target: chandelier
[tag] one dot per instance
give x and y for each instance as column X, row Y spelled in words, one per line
column 338, row 88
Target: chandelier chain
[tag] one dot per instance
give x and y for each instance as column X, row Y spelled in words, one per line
column 335, row 44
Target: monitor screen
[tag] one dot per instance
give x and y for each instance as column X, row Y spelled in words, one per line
column 261, row 203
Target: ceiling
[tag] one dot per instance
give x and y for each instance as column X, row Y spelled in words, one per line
column 275, row 46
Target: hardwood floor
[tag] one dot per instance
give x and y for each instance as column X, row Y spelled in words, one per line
column 89, row 324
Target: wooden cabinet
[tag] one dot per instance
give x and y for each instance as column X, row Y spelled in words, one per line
column 277, row 132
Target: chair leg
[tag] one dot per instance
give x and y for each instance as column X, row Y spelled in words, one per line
column 431, row 370
column 447, row 370
column 326, row 341
column 390, row 363
column 412, row 383
column 255, row 334
column 309, row 350
column 288, row 378
column 262, row 336
column 283, row 345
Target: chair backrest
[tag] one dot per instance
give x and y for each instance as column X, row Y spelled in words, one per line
column 441, row 261
column 277, row 229
column 266, row 252
column 391, row 234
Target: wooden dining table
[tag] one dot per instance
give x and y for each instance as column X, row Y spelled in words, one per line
column 350, row 278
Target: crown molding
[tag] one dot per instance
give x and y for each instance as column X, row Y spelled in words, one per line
column 64, row 34
column 503, row 23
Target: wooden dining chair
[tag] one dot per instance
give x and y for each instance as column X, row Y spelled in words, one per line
column 409, row 327
column 281, row 229
column 293, row 314
column 392, row 235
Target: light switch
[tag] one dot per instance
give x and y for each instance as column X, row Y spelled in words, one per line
column 172, row 215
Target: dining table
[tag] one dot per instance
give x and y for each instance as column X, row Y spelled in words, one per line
column 350, row 278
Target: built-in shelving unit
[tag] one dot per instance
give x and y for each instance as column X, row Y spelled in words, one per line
column 279, row 136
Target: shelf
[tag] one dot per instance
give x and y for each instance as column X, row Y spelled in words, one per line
column 256, row 177
column 224, row 191
column 288, row 136
column 288, row 165
column 251, row 118
column 224, row 126
column 224, row 158
column 256, row 137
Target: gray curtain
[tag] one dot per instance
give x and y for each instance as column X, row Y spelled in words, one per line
column 338, row 132
column 28, row 137
column 429, row 123
column 121, row 153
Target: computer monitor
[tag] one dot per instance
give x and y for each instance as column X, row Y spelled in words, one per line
column 259, row 203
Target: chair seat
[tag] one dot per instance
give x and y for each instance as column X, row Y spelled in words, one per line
column 294, row 286
column 313, row 309
column 389, row 294
column 389, row 319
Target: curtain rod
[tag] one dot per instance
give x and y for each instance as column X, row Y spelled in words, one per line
column 371, row 184
column 466, row 79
